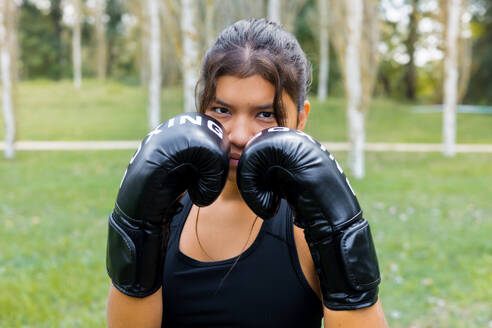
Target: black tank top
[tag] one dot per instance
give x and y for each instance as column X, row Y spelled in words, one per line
column 266, row 288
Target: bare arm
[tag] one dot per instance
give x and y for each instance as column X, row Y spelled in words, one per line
column 370, row 317
column 126, row 311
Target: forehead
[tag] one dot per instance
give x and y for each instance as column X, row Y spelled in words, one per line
column 243, row 91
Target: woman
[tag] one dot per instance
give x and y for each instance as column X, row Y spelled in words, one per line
column 224, row 264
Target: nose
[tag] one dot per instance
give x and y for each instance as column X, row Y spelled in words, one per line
column 240, row 130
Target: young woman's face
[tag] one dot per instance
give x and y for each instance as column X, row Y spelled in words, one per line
column 244, row 106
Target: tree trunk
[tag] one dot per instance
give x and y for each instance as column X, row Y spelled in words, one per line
column 465, row 44
column 5, row 65
column 451, row 77
column 209, row 22
column 100, row 10
column 191, row 60
column 357, row 139
column 289, row 12
column 274, row 10
column 76, row 47
column 324, row 55
column 56, row 14
column 140, row 9
column 355, row 117
column 410, row 69
column 154, row 110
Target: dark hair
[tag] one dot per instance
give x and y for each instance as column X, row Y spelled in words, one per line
column 257, row 46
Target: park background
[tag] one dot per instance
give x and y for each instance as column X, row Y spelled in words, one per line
column 108, row 70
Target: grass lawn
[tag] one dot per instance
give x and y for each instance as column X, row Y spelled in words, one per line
column 48, row 110
column 430, row 215
column 430, row 218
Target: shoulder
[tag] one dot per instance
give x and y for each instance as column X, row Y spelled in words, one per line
column 306, row 260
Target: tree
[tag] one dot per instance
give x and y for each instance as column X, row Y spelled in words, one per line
column 290, row 13
column 172, row 36
column 76, row 44
column 324, row 55
column 191, row 58
column 274, row 11
column 154, row 109
column 116, row 33
column 410, row 68
column 451, row 76
column 56, row 17
column 209, row 22
column 7, row 14
column 100, row 24
column 355, row 45
column 481, row 81
column 230, row 11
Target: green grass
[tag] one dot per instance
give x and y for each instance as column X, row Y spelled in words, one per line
column 99, row 111
column 390, row 121
column 430, row 218
column 430, row 215
column 49, row 110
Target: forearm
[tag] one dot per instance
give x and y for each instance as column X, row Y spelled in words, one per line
column 125, row 311
column 370, row 317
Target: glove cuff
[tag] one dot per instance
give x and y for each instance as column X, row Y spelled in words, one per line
column 134, row 256
column 346, row 263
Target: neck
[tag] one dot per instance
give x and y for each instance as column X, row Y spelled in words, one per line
column 231, row 191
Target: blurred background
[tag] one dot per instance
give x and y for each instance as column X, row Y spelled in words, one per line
column 401, row 93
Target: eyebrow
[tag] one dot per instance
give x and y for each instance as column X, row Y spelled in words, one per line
column 261, row 107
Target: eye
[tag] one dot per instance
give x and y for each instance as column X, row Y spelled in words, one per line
column 266, row 115
column 220, row 110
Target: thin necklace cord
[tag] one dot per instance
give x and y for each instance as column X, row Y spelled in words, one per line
column 237, row 258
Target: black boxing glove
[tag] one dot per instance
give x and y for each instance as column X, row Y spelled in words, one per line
column 188, row 152
column 284, row 163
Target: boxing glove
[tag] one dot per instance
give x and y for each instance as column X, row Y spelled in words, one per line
column 189, row 152
column 283, row 163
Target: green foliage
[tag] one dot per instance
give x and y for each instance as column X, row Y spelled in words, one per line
column 42, row 53
column 122, row 45
column 306, row 32
column 45, row 50
column 46, row 44
column 480, row 87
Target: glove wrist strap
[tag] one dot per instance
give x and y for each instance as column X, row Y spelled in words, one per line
column 134, row 257
column 346, row 263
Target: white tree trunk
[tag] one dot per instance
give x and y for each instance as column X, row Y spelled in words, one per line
column 324, row 61
column 209, row 22
column 101, row 38
column 274, row 10
column 76, row 47
column 154, row 110
column 357, row 138
column 143, row 17
column 451, row 77
column 5, row 58
column 191, row 58
column 355, row 117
